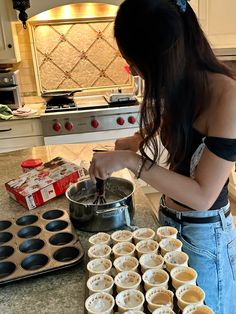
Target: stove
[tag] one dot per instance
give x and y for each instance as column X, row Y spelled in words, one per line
column 90, row 119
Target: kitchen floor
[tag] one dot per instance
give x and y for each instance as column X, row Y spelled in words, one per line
column 155, row 197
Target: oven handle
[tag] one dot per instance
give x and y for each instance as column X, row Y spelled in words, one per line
column 6, row 130
column 8, row 88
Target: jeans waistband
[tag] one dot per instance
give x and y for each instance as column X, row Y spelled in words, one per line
column 195, row 216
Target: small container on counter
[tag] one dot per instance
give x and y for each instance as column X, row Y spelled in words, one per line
column 30, row 164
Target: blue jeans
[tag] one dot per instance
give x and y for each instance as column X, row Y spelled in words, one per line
column 212, row 253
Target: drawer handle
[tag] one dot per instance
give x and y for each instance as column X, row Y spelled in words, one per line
column 6, row 130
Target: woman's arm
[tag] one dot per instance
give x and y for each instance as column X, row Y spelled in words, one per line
column 210, row 175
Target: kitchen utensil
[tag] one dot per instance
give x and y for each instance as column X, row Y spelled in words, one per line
column 100, row 193
column 58, row 96
column 37, row 243
column 115, row 213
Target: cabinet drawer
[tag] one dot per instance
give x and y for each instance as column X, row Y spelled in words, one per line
column 19, row 128
column 8, row 145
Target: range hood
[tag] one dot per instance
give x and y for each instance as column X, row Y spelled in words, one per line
column 37, row 6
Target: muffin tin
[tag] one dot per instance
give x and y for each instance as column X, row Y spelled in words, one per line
column 36, row 243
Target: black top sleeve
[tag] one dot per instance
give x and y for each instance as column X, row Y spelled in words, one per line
column 222, row 147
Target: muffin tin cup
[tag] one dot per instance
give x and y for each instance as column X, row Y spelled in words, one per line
column 33, row 244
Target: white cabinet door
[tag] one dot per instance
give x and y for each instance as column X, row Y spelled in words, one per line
column 218, row 19
column 18, row 134
column 194, row 5
column 9, row 47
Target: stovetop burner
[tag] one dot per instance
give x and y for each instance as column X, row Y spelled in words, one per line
column 88, row 103
column 50, row 107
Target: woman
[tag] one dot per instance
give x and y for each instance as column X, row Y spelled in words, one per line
column 190, row 100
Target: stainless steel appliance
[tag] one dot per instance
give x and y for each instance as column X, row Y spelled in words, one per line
column 115, row 213
column 89, row 119
column 10, row 92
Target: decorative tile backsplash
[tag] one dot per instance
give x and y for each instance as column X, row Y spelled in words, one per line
column 78, row 55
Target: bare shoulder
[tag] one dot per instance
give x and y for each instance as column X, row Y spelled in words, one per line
column 222, row 114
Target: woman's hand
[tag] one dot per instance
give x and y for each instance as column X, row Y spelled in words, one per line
column 104, row 164
column 129, row 143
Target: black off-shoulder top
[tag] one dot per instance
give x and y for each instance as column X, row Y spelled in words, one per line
column 222, row 147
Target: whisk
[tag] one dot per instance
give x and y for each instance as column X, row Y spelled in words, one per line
column 100, row 192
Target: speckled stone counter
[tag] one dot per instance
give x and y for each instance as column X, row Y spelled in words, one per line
column 38, row 108
column 63, row 291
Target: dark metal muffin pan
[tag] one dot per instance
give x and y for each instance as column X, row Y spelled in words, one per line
column 33, row 244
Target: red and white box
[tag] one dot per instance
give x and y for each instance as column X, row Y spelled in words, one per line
column 36, row 187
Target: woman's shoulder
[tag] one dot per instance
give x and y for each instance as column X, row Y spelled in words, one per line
column 222, row 113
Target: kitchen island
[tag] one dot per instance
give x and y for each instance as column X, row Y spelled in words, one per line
column 60, row 291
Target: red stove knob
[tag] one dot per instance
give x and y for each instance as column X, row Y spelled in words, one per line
column 95, row 124
column 69, row 125
column 132, row 120
column 120, row 121
column 57, row 126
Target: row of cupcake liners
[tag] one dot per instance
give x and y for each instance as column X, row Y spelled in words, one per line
column 114, row 272
column 37, row 243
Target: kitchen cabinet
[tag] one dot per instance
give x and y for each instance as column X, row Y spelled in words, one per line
column 19, row 134
column 218, row 20
column 194, row 5
column 9, row 46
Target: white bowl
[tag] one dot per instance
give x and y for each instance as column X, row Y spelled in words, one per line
column 124, row 263
column 197, row 309
column 164, row 310
column 189, row 294
column 155, row 278
column 121, row 236
column 166, row 232
column 157, row 297
column 100, row 283
column 146, row 246
column 133, row 312
column 123, row 249
column 99, row 251
column 170, row 244
column 130, row 300
column 175, row 258
column 100, row 302
column 100, row 238
column 182, row 275
column 99, row 266
column 127, row 280
column 151, row 261
column 143, row 234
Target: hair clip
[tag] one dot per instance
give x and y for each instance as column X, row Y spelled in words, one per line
column 182, row 4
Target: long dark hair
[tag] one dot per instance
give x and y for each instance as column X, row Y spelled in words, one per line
column 171, row 51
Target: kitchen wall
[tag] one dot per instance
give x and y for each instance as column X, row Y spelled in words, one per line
column 71, row 47
column 26, row 67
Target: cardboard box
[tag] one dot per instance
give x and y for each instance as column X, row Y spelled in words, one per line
column 36, row 187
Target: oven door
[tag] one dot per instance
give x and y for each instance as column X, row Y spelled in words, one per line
column 10, row 96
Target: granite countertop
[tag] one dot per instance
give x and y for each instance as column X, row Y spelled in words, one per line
column 39, row 107
column 61, row 291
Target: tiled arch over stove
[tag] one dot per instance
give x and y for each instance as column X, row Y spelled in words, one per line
column 79, row 55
